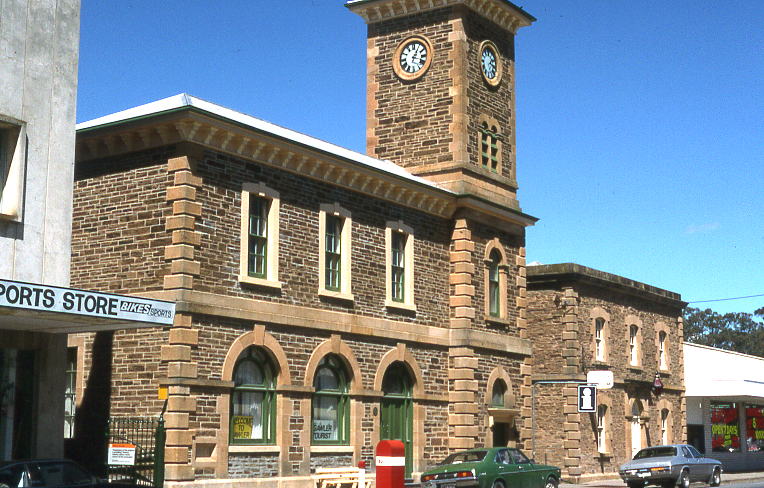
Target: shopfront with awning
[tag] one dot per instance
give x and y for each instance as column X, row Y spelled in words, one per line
column 725, row 405
column 34, row 323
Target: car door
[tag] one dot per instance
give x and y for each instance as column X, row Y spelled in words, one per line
column 705, row 467
column 526, row 476
column 506, row 469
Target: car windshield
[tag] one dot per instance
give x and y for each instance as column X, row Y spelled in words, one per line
column 465, row 457
column 651, row 452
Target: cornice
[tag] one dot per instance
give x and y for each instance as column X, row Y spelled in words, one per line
column 192, row 126
column 500, row 12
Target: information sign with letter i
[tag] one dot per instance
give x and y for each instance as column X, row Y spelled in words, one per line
column 587, row 398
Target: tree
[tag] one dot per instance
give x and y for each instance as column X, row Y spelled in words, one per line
column 740, row 332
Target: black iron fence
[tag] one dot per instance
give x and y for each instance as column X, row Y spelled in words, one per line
column 147, row 438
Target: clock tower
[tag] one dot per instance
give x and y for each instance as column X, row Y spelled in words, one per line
column 441, row 91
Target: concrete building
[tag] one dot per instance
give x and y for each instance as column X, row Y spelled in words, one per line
column 582, row 320
column 326, row 299
column 725, row 406
column 38, row 87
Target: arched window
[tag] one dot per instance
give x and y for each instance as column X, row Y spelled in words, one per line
column 489, row 146
column 253, row 399
column 602, row 428
column 599, row 339
column 494, row 294
column 330, row 402
column 498, row 394
column 662, row 363
column 664, row 426
column 633, row 345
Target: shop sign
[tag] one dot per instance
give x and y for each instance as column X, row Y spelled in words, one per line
column 324, row 430
column 587, row 398
column 93, row 304
column 725, row 427
column 121, row 454
column 754, row 415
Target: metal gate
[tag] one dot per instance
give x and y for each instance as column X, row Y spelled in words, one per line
column 148, row 437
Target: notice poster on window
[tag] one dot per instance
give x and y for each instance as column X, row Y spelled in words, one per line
column 242, row 427
column 725, row 427
column 324, row 430
column 754, row 419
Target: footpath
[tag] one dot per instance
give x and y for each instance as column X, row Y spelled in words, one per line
column 726, row 478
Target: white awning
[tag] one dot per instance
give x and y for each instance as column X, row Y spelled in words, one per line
column 716, row 373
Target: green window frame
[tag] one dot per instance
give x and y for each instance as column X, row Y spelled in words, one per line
column 494, row 298
column 398, row 267
column 257, row 262
column 253, row 399
column 330, row 419
column 489, row 147
column 333, row 253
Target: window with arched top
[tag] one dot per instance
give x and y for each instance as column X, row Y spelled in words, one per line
column 494, row 288
column 498, row 394
column 662, row 363
column 330, row 418
column 496, row 272
column 599, row 339
column 253, row 399
column 633, row 345
column 665, row 426
column 602, row 413
column 489, row 147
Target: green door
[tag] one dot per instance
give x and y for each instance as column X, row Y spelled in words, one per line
column 397, row 419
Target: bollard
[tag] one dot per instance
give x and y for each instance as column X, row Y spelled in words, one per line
column 391, row 464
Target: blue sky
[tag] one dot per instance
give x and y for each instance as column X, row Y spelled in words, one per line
column 640, row 134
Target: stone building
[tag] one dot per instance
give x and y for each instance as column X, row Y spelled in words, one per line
column 582, row 320
column 325, row 299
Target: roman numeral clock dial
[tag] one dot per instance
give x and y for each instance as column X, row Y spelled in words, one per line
column 412, row 58
column 490, row 63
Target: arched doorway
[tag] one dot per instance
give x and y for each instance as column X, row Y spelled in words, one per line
column 397, row 416
column 636, row 427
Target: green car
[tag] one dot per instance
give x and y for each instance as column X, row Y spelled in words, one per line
column 495, row 467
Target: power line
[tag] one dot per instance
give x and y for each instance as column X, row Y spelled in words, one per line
column 725, row 299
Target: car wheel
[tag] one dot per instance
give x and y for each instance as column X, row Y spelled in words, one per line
column 498, row 484
column 716, row 478
column 637, row 484
column 550, row 482
column 684, row 480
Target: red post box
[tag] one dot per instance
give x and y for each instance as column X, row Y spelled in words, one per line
column 391, row 464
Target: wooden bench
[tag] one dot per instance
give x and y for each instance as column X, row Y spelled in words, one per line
column 347, row 477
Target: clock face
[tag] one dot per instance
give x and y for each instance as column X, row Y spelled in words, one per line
column 488, row 59
column 413, row 57
column 490, row 63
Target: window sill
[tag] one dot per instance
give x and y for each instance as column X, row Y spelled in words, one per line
column 498, row 320
column 239, row 448
column 251, row 280
column 603, row 455
column 409, row 307
column 332, row 449
column 635, row 367
column 601, row 363
column 338, row 295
